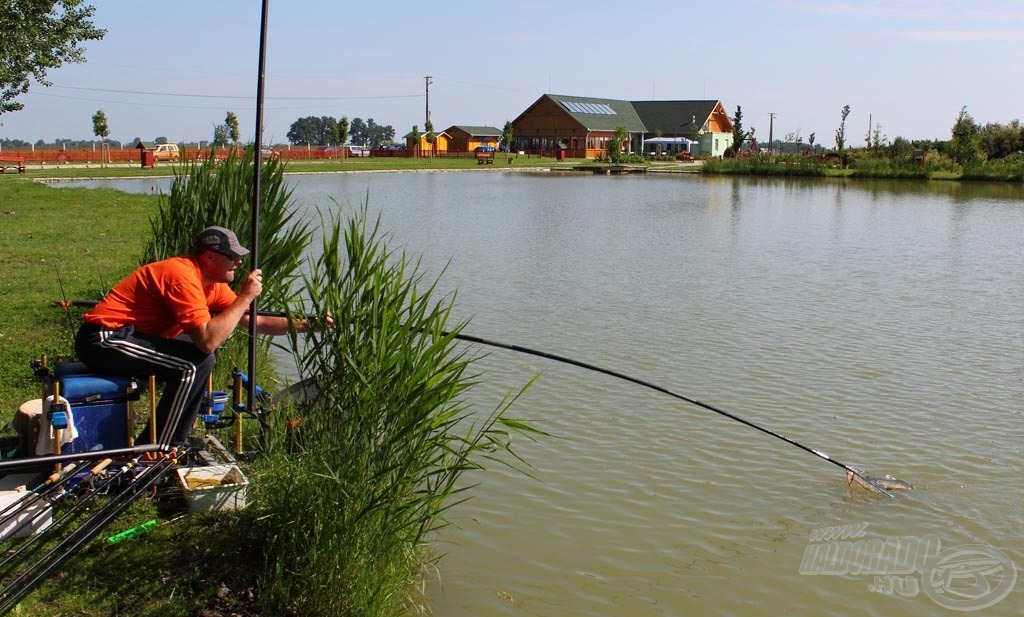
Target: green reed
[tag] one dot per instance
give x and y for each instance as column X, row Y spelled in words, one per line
column 345, row 502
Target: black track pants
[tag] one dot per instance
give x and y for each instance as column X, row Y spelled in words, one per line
column 177, row 364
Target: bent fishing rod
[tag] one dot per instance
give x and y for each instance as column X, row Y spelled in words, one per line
column 597, row 369
column 869, row 482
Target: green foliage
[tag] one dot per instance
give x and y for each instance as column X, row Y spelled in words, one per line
column 312, row 131
column 341, row 131
column 841, row 131
column 765, row 165
column 613, row 147
column 37, row 37
column 507, row 135
column 997, row 141
column 737, row 133
column 100, row 128
column 880, row 167
column 343, row 509
column 221, row 135
column 371, row 134
column 1009, row 169
column 963, row 147
column 231, row 122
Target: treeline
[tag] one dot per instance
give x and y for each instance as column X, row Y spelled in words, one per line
column 327, row 131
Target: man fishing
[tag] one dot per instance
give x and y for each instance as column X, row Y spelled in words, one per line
column 168, row 318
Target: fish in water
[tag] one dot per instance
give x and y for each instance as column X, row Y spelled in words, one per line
column 888, row 483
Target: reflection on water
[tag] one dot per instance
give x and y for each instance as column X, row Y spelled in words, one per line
column 876, row 321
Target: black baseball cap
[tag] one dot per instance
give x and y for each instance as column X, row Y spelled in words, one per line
column 220, row 240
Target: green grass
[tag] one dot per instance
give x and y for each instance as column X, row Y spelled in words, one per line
column 501, row 161
column 83, row 239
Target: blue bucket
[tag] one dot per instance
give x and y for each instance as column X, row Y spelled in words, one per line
column 215, row 405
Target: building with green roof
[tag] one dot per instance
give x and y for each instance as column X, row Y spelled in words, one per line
column 582, row 126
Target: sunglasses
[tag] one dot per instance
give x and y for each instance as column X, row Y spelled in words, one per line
column 227, row 255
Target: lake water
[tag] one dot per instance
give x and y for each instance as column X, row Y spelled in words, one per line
column 878, row 322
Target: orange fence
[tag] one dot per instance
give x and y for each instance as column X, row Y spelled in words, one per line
column 134, row 155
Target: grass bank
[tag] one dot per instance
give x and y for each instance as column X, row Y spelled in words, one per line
column 57, row 244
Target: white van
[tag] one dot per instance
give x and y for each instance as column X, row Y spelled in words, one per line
column 166, row 152
column 357, row 151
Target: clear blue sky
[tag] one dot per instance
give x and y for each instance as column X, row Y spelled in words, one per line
column 175, row 68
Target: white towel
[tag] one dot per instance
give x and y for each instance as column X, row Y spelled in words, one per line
column 46, row 433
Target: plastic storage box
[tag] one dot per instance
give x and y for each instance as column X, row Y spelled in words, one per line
column 213, row 488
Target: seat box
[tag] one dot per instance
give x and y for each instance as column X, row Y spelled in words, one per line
column 102, row 426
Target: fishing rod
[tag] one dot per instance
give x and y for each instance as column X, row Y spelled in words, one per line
column 254, row 246
column 39, row 538
column 852, row 472
column 27, row 580
column 868, row 482
column 52, row 485
column 34, row 461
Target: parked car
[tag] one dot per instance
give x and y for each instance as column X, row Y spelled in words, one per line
column 166, row 152
column 357, row 151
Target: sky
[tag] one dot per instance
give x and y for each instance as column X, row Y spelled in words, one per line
column 174, row 69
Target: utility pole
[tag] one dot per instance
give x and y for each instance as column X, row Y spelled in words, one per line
column 429, row 80
column 771, row 124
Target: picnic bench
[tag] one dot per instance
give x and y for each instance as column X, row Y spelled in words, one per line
column 13, row 162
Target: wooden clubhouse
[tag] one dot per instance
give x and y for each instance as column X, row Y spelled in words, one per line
column 580, row 126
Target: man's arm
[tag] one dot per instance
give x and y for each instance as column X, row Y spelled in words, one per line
column 275, row 325
column 212, row 334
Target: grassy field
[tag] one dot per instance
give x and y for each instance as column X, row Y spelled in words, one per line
column 57, row 244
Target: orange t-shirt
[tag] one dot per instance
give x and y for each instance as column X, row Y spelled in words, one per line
column 163, row 298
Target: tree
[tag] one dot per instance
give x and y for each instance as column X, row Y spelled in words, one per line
column 359, row 132
column 878, row 139
column 342, row 131
column 231, row 122
column 998, row 141
column 39, row 35
column 613, row 147
column 431, row 136
column 415, row 139
column 101, row 129
column 311, row 131
column 158, row 140
column 381, row 134
column 506, row 139
column 221, row 133
column 841, row 131
column 963, row 147
column 737, row 132
column 370, row 133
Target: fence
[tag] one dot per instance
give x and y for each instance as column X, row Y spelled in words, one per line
column 56, row 156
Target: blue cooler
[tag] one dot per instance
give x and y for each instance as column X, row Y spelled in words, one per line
column 99, row 404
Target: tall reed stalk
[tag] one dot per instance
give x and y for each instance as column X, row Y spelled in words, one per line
column 344, row 504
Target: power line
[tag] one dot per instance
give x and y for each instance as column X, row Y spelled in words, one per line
column 228, row 96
